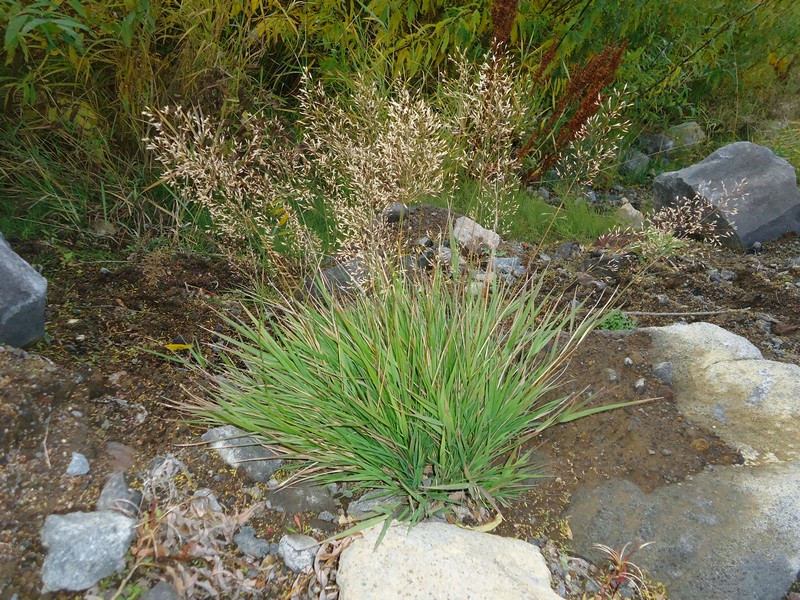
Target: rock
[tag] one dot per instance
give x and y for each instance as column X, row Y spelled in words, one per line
column 663, row 371
column 474, row 238
column 722, row 383
column 161, row 591
column 754, row 193
column 23, row 297
column 640, row 385
column 303, row 497
column 83, row 548
column 656, row 145
column 685, row 135
column 395, row 212
column 342, row 278
column 78, row 465
column 511, row 265
column 116, row 495
column 243, row 452
column 725, row 533
column 249, row 544
column 205, row 500
column 630, row 216
column 611, row 375
column 298, row 552
column 635, row 164
column 370, row 503
column 437, row 560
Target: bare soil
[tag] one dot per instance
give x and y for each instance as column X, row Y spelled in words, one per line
column 97, row 385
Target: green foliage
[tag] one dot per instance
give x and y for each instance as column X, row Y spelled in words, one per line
column 419, row 390
column 617, row 320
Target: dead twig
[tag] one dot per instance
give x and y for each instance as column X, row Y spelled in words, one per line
column 44, row 441
column 704, row 313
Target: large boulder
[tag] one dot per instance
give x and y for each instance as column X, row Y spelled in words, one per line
column 722, row 383
column 437, row 560
column 23, row 296
column 729, row 531
column 754, row 193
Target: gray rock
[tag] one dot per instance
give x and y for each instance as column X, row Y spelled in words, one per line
column 474, row 238
column 640, row 385
column 511, row 265
column 611, row 375
column 395, row 212
column 205, row 500
column 725, row 533
column 635, row 164
column 436, row 560
column 116, row 495
column 656, row 145
column 249, row 544
column 161, row 591
column 342, row 278
column 663, row 371
column 78, row 465
column 243, row 452
column 370, row 503
column 754, row 193
column 23, row 297
column 82, row 548
column 303, row 497
column 685, row 135
column 298, row 552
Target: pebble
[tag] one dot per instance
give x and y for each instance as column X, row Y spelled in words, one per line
column 78, row 465
column 611, row 375
column 666, row 452
column 640, row 385
column 628, row 361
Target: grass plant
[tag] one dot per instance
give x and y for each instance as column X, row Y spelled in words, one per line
column 420, row 390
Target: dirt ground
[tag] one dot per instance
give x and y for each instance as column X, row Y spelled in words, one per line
column 96, row 387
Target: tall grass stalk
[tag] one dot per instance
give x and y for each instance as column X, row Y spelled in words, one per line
column 419, row 390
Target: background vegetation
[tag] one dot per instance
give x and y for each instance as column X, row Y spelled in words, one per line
column 78, row 74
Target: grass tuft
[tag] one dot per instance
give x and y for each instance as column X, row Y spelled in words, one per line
column 423, row 390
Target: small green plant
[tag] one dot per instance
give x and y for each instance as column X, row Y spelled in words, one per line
column 421, row 390
column 617, row 320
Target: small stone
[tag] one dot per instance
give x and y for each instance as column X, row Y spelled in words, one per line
column 764, row 325
column 424, row 241
column 651, row 452
column 663, row 299
column 640, row 385
column 205, row 500
column 248, row 543
column 395, row 212
column 76, row 413
column 117, row 496
column 104, row 271
column 714, row 275
column 628, row 361
column 544, row 193
column 298, row 552
column 663, row 371
column 727, row 275
column 326, row 516
column 78, row 465
column 162, row 591
column 611, row 375
column 666, row 452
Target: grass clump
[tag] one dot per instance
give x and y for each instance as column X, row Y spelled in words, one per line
column 422, row 390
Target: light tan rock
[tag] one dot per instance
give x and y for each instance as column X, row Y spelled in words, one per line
column 441, row 561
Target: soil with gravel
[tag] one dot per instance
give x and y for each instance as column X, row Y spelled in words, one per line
column 100, row 385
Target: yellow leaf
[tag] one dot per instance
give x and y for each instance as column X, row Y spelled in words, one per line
column 177, row 347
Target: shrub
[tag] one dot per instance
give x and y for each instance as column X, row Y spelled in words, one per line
column 422, row 390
